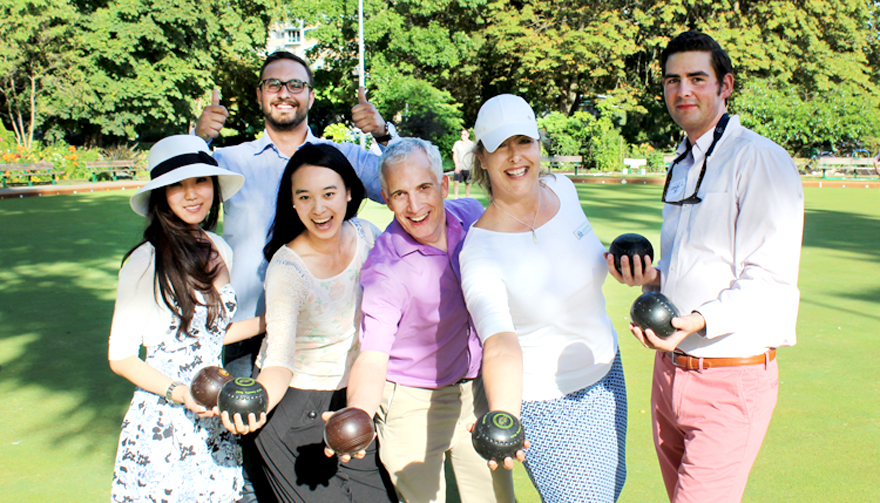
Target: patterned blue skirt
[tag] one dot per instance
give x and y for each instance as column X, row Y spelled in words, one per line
column 578, row 442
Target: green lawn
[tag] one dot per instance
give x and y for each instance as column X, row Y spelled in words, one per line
column 58, row 262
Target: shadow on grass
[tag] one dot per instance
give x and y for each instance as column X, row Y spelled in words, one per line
column 60, row 259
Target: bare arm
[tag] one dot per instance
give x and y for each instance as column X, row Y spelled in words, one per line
column 367, row 381
column 142, row 375
column 244, row 329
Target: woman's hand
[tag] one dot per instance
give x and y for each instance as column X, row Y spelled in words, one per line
column 237, row 425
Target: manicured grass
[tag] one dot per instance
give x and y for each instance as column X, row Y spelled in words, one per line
column 62, row 406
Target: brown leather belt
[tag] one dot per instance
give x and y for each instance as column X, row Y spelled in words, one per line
column 689, row 362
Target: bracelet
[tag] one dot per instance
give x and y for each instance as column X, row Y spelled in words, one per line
column 170, row 390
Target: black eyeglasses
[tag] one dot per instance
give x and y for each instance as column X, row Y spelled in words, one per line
column 294, row 86
column 693, row 198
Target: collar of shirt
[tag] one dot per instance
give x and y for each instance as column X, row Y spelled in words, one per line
column 265, row 141
column 698, row 151
column 404, row 244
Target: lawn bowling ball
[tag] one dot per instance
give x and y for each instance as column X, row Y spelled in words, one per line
column 243, row 395
column 207, row 383
column 349, row 431
column 653, row 310
column 630, row 245
column 498, row 435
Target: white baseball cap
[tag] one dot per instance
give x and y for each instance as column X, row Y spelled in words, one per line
column 180, row 157
column 504, row 116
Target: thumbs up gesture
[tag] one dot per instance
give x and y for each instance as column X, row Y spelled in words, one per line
column 212, row 119
column 366, row 117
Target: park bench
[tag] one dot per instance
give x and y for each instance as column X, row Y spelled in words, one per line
column 11, row 172
column 562, row 162
column 115, row 168
column 844, row 166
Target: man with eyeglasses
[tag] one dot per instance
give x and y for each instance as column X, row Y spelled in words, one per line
column 285, row 93
column 730, row 249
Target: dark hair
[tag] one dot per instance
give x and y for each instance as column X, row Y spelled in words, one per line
column 697, row 41
column 287, row 224
column 278, row 55
column 182, row 258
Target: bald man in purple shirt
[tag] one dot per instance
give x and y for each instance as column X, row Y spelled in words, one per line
column 419, row 366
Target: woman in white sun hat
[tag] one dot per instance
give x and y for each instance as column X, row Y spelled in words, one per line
column 532, row 271
column 174, row 299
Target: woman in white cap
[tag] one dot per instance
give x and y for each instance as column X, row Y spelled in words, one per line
column 316, row 250
column 532, row 272
column 174, row 298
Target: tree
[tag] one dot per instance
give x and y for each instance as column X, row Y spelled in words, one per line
column 34, row 52
column 144, row 65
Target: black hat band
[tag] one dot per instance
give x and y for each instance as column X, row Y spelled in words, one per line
column 180, row 161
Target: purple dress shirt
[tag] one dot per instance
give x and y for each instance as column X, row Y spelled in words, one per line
column 413, row 307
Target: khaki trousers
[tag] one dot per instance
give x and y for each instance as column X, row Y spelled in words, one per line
column 418, row 428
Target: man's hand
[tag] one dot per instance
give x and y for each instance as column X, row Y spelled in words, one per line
column 345, row 457
column 366, row 117
column 633, row 274
column 685, row 325
column 212, row 119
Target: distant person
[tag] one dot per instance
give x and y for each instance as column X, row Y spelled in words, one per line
column 877, row 163
column 174, row 298
column 733, row 220
column 286, row 92
column 532, row 272
column 419, row 367
column 463, row 157
column 317, row 249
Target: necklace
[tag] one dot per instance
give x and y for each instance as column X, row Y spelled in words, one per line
column 534, row 220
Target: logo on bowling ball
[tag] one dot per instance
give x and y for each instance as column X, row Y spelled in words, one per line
column 498, row 435
column 243, row 395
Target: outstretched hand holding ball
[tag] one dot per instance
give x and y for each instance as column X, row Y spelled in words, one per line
column 499, row 438
column 348, row 433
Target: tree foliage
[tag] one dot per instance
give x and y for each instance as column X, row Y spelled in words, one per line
column 806, row 72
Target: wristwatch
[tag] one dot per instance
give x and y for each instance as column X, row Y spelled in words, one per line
column 170, row 390
column 390, row 131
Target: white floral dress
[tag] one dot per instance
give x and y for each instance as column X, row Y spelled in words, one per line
column 166, row 452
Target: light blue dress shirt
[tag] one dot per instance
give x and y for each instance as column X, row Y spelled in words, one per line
column 249, row 214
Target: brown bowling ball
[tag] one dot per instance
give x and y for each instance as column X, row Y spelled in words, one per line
column 207, row 383
column 349, row 431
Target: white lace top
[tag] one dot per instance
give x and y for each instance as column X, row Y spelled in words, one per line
column 311, row 323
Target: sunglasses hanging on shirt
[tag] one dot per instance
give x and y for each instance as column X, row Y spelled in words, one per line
column 693, row 199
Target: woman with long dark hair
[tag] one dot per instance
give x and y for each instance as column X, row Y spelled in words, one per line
column 174, row 298
column 316, row 250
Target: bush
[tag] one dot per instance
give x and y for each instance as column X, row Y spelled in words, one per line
column 598, row 140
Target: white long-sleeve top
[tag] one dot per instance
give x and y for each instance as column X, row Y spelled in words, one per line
column 549, row 293
column 141, row 317
column 311, row 323
column 734, row 256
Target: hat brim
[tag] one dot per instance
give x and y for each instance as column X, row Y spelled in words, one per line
column 496, row 137
column 229, row 182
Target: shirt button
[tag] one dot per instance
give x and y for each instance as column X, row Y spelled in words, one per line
column 312, row 414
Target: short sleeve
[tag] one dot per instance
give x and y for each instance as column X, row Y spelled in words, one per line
column 136, row 304
column 383, row 304
column 287, row 289
column 485, row 291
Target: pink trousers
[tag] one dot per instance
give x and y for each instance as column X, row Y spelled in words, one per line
column 709, row 425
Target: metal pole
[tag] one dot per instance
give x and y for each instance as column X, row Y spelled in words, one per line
column 361, row 72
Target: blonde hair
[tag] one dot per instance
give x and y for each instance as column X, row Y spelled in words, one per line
column 481, row 176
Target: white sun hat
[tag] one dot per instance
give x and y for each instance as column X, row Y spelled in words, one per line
column 177, row 158
column 504, row 116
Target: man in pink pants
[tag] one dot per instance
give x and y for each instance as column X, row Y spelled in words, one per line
column 730, row 248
